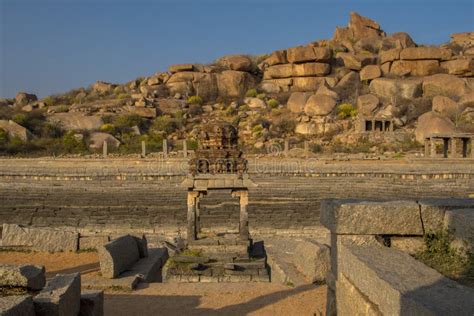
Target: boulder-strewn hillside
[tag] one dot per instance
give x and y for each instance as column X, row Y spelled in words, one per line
column 325, row 93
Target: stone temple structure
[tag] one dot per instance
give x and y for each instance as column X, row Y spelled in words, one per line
column 218, row 165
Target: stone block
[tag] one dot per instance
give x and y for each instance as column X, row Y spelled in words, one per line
column 410, row 245
column 350, row 301
column 371, row 218
column 433, row 210
column 460, row 223
column 92, row 303
column 312, row 259
column 148, row 269
column 21, row 305
column 41, row 239
column 92, row 242
column 60, row 296
column 400, row 285
column 142, row 246
column 117, row 256
column 27, row 276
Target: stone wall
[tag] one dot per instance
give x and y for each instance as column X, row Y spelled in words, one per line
column 144, row 195
column 372, row 272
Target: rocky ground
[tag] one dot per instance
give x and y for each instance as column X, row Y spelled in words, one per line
column 185, row 299
column 322, row 93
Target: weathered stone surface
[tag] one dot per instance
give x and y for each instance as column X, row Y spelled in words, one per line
column 118, row 256
column 385, row 68
column 356, row 62
column 97, row 140
column 311, row 69
column 180, row 68
column 27, row 276
column 350, row 79
column 415, row 67
column 410, row 245
column 308, row 128
column 142, row 111
column 236, row 62
column 399, row 40
column 460, row 223
column 324, row 89
column 92, row 242
column 92, row 303
column 322, row 54
column 276, row 58
column 370, row 72
column 297, row 101
column 433, row 123
column 350, row 301
column 367, row 104
column 460, row 66
column 300, row 54
column 255, row 103
column 234, row 83
column 103, row 87
column 77, row 121
column 445, row 106
column 466, row 101
column 23, row 98
column 61, row 296
column 390, row 88
column 142, row 246
column 41, row 239
column 416, row 53
column 433, row 211
column 306, row 83
column 148, row 268
column 312, row 258
column 15, row 130
column 279, row 71
column 319, row 105
column 20, row 305
column 400, row 285
column 444, row 84
column 389, row 55
column 362, row 217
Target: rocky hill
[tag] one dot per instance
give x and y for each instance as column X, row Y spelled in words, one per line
column 361, row 90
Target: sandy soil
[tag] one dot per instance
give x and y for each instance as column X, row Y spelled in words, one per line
column 185, row 299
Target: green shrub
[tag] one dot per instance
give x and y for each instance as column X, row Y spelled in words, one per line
column 195, row 99
column 3, row 136
column 192, row 144
column 73, row 144
column 164, row 124
column 315, row 148
column 49, row 101
column 122, row 96
column 273, row 103
column 251, row 93
column 345, row 110
column 261, row 96
column 20, row 118
column 286, row 126
column 108, row 128
column 276, row 112
column 61, row 108
column 123, row 123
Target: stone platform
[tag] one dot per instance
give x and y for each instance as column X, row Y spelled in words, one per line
column 226, row 258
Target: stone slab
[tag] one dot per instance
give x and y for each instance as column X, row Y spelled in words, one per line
column 433, row 210
column 371, row 218
column 350, row 301
column 27, row 276
column 410, row 245
column 126, row 283
column 460, row 223
column 118, row 256
column 60, row 296
column 312, row 258
column 149, row 269
column 41, row 239
column 92, row 303
column 21, row 305
column 92, row 242
column 400, row 285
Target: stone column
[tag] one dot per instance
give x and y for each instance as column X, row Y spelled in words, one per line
column 373, row 125
column 445, row 147
column 472, row 148
column 454, row 147
column 143, row 149
column 185, row 149
column 198, row 215
column 287, row 147
column 391, row 125
column 427, row 147
column 244, row 216
column 104, row 149
column 432, row 147
column 165, row 148
column 191, row 230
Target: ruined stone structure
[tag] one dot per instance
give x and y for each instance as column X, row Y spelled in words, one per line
column 453, row 145
column 372, row 124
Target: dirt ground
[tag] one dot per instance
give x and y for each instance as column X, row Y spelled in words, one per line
column 185, row 299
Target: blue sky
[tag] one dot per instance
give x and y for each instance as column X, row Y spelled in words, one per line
column 51, row 46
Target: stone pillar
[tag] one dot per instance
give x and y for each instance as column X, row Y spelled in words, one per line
column 185, row 149
column 244, row 216
column 143, row 149
column 445, row 147
column 427, row 147
column 472, row 148
column 391, row 125
column 373, row 125
column 306, row 147
column 432, row 147
column 198, row 215
column 464, row 143
column 287, row 147
column 191, row 229
column 104, row 149
column 165, row 148
column 454, row 147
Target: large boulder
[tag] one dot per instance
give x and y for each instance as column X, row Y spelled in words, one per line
column 297, row 101
column 118, row 256
column 103, row 87
column 303, row 54
column 319, row 105
column 444, row 84
column 324, row 89
column 367, row 104
column 363, row 27
column 279, row 71
column 17, row 305
column 97, row 140
column 357, row 61
column 146, row 112
column 415, row 67
column 398, row 40
column 390, row 88
column 23, row 98
column 467, row 101
column 370, row 72
column 416, row 53
column 445, row 106
column 389, row 55
column 276, row 58
column 311, row 69
column 26, row 276
column 255, row 103
column 77, row 121
column 60, row 296
column 306, row 83
column 236, row 62
column 460, row 66
column 188, row 83
column 432, row 123
column 15, row 130
column 180, row 68
column 233, row 83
